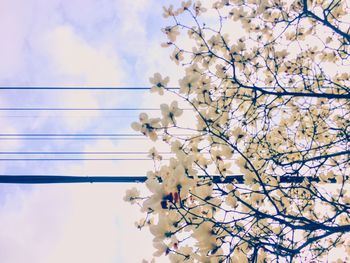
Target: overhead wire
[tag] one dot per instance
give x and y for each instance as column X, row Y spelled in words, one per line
column 75, row 139
column 80, row 88
column 45, row 136
column 80, row 152
column 56, row 179
column 49, row 179
column 70, row 135
column 82, row 109
column 75, row 159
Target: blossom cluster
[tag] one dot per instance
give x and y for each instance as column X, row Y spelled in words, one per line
column 263, row 174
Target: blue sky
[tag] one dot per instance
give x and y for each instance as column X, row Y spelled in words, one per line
column 75, row 43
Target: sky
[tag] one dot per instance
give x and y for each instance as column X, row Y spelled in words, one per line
column 96, row 43
column 90, row 43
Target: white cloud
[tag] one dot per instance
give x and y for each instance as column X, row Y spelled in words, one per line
column 74, row 62
column 77, row 60
column 71, row 223
column 29, row 222
column 13, row 28
column 129, row 13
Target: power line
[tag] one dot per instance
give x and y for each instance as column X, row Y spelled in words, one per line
column 82, row 109
column 69, row 135
column 117, row 117
column 78, row 135
column 74, row 159
column 55, row 179
column 58, row 179
column 68, row 153
column 76, row 139
column 82, row 137
column 82, row 88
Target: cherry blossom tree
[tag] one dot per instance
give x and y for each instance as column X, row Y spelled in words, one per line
column 268, row 82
